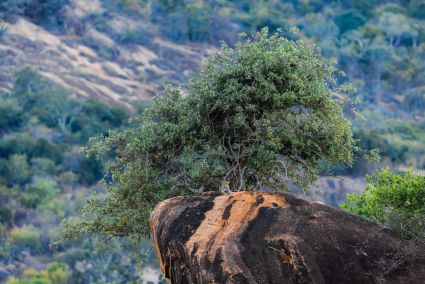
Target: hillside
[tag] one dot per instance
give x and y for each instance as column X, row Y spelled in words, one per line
column 122, row 51
column 90, row 63
column 74, row 69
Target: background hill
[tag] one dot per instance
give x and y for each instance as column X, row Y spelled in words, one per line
column 72, row 69
column 109, row 60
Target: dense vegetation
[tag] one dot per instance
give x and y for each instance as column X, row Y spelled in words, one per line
column 42, row 12
column 380, row 45
column 44, row 178
column 255, row 113
column 394, row 200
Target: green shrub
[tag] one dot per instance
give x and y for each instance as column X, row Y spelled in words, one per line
column 349, row 20
column 45, row 12
column 392, row 8
column 18, row 170
column 16, row 143
column 405, row 130
column 136, row 36
column 49, row 102
column 43, row 167
column 26, row 237
column 394, row 200
column 10, row 112
column 416, row 8
column 5, row 215
column 56, row 273
column 415, row 101
column 31, row 195
column 35, row 280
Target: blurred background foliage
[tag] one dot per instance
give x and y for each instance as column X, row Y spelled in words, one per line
column 380, row 45
column 44, row 178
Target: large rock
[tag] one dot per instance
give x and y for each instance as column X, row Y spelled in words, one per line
column 256, row 237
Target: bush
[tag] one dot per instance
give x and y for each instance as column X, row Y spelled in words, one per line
column 26, row 237
column 18, row 144
column 18, row 170
column 36, row 280
column 56, row 273
column 45, row 149
column 5, row 215
column 415, row 101
column 10, row 111
column 137, row 36
column 394, row 200
column 45, row 12
column 191, row 24
column 43, row 167
column 416, row 8
column 36, row 194
column 97, row 118
column 349, row 20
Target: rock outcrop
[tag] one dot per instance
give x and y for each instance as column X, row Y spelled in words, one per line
column 257, row 237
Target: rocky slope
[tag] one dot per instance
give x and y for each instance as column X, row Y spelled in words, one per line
column 92, row 63
column 256, row 237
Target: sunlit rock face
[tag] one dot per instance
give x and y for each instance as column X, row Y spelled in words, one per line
column 257, row 237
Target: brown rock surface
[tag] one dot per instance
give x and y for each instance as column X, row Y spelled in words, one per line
column 257, row 237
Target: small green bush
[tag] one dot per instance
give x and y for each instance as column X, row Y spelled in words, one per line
column 26, row 237
column 415, row 100
column 32, row 195
column 394, row 200
column 56, row 273
column 349, row 20
column 35, row 280
column 136, row 36
column 18, row 170
column 5, row 215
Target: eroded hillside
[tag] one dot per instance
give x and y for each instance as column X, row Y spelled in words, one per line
column 90, row 62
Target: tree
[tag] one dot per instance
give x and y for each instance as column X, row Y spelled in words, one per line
column 394, row 200
column 258, row 115
column 349, row 20
column 18, row 170
column 9, row 112
column 416, row 8
column 415, row 100
column 40, row 11
column 395, row 27
column 56, row 273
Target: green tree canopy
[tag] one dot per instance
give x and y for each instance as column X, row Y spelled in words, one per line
column 257, row 115
column 394, row 200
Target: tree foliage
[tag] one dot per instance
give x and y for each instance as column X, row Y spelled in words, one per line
column 394, row 200
column 43, row 178
column 45, row 12
column 56, row 273
column 258, row 115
